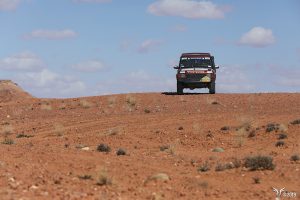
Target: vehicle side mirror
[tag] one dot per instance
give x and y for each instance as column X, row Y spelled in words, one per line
column 176, row 67
column 217, row 66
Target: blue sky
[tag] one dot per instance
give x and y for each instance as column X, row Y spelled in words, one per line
column 68, row 48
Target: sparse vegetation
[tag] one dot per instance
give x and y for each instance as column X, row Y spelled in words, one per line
column 113, row 131
column 279, row 144
column 147, row 111
column 85, row 177
column 85, row 104
column 204, row 168
column 252, row 134
column 237, row 163
column 8, row 141
column 59, row 129
column 62, row 107
column 282, row 136
column 23, row 136
column 46, row 106
column 103, row 148
column 214, row 103
column 7, row 129
column 272, row 127
column 164, row 147
column 111, row 102
column 256, row 180
column 103, row 178
column 259, row 163
column 297, row 121
column 295, row 157
column 130, row 103
column 121, row 152
column 180, row 128
column 225, row 128
column 220, row 167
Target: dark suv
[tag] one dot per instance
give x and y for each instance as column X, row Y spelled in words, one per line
column 196, row 70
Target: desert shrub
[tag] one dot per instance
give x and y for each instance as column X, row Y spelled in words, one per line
column 237, row 163
column 7, row 129
column 295, row 157
column 297, row 121
column 282, row 136
column 103, row 148
column 204, row 168
column 85, row 177
column 59, row 129
column 8, row 141
column 220, row 167
column 180, row 128
column 85, row 104
column 147, row 111
column 113, row 131
column 256, row 180
column 225, row 128
column 279, row 144
column 272, row 127
column 252, row 134
column 130, row 101
column 259, row 163
column 164, row 147
column 46, row 107
column 103, row 178
column 214, row 103
column 229, row 165
column 121, row 152
column 23, row 136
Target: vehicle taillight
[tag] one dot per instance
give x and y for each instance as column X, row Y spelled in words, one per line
column 180, row 76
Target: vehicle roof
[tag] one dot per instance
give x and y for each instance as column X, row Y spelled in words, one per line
column 195, row 55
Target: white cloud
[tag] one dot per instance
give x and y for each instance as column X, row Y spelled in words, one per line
column 92, row 1
column 25, row 61
column 193, row 9
column 46, row 83
column 149, row 45
column 8, row 5
column 234, row 79
column 258, row 37
column 89, row 66
column 51, row 34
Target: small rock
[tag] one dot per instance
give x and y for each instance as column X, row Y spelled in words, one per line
column 85, row 148
column 218, row 149
column 160, row 176
column 33, row 187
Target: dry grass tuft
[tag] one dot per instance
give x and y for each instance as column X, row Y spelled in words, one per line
column 7, row 129
column 85, row 104
column 259, row 163
column 8, row 141
column 46, row 107
column 130, row 103
column 59, row 129
column 112, row 101
column 204, row 167
column 103, row 178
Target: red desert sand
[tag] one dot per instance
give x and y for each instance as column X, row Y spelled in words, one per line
column 148, row 146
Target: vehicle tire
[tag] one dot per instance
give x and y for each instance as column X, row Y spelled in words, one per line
column 212, row 88
column 179, row 88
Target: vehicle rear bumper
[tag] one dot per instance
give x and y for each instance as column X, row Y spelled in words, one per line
column 194, row 84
